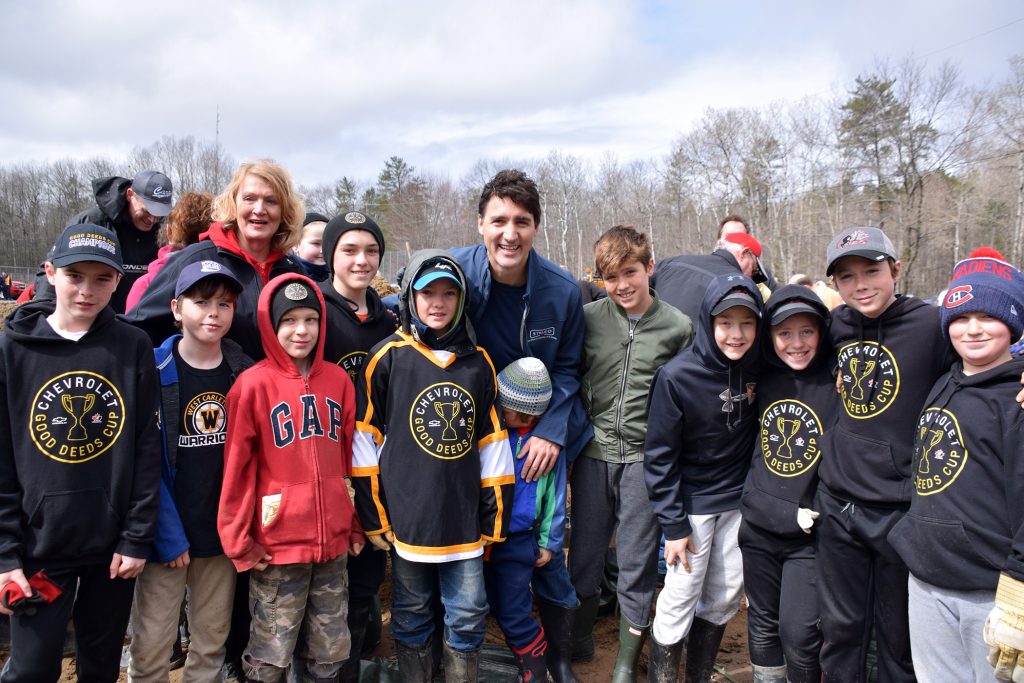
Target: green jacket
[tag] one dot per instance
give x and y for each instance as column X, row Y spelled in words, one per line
column 619, row 361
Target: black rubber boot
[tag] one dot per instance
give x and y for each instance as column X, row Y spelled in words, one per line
column 461, row 667
column 583, row 629
column 797, row 674
column 663, row 661
column 769, row 674
column 558, row 622
column 631, row 641
column 531, row 660
column 702, row 645
column 358, row 616
column 414, row 663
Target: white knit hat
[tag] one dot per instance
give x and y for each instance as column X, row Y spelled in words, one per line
column 525, row 387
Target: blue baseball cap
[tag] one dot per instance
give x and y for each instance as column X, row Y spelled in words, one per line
column 435, row 271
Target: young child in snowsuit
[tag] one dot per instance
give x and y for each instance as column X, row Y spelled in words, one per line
column 197, row 368
column 628, row 336
column 888, row 356
column 797, row 401
column 699, row 441
column 353, row 246
column 79, row 463
column 309, row 251
column 537, row 527
column 439, row 486
column 963, row 537
column 285, row 509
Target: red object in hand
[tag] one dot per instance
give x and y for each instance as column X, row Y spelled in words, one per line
column 44, row 591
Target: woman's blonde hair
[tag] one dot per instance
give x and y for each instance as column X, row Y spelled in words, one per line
column 292, row 210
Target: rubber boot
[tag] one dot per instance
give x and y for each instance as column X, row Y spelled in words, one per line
column 414, row 663
column 631, row 641
column 583, row 629
column 461, row 667
column 531, row 660
column 797, row 674
column 702, row 645
column 663, row 661
column 358, row 617
column 558, row 622
column 769, row 674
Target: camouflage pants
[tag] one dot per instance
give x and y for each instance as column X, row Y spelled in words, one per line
column 287, row 598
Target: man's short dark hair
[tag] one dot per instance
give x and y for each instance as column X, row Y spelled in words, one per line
column 516, row 186
column 731, row 218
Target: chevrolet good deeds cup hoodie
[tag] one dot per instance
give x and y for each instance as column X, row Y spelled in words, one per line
column 288, row 454
column 888, row 365
column 350, row 339
column 79, row 442
column 966, row 519
column 796, row 408
column 701, row 423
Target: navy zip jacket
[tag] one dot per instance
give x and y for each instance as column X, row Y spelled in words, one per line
column 796, row 409
column 701, row 423
column 888, row 366
column 966, row 519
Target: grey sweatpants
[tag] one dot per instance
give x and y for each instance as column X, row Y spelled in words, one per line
column 606, row 496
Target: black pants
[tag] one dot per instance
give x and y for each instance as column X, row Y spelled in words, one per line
column 782, row 601
column 100, row 612
column 862, row 582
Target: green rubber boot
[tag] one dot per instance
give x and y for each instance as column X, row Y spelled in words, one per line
column 631, row 641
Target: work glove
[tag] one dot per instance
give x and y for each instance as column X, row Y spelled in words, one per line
column 805, row 517
column 382, row 541
column 1004, row 630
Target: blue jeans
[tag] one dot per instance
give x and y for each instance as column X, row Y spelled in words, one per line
column 462, row 594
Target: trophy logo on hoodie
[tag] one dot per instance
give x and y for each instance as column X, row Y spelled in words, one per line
column 76, row 416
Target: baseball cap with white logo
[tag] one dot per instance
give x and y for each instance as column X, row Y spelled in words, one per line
column 200, row 270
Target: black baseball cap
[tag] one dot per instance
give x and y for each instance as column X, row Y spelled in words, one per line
column 737, row 297
column 200, row 270
column 87, row 242
column 155, row 191
column 790, row 309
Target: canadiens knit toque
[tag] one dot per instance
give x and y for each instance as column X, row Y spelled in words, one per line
column 987, row 285
column 525, row 387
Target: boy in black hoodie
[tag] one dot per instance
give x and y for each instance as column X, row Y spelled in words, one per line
column 79, row 462
column 353, row 245
column 797, row 401
column 699, row 440
column 888, row 355
column 963, row 538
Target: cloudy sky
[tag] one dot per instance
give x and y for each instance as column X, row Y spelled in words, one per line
column 333, row 88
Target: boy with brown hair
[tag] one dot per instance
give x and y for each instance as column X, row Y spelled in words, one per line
column 628, row 336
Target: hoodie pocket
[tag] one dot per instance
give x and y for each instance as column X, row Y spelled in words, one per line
column 338, row 508
column 295, row 521
column 867, row 466
column 938, row 551
column 69, row 524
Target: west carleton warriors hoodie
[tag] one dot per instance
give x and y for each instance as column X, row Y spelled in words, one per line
column 797, row 407
column 702, row 423
column 79, row 442
column 888, row 365
column 287, row 455
column 442, row 480
column 966, row 519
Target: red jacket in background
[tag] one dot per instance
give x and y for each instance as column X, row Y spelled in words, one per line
column 288, row 436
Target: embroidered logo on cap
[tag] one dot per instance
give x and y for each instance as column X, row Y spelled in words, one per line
column 295, row 292
column 355, row 217
column 855, row 237
column 210, row 267
column 958, row 295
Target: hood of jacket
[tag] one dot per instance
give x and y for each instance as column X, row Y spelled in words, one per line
column 848, row 315
column 793, row 294
column 459, row 338
column 375, row 308
column 276, row 354
column 704, row 345
column 110, row 197
column 28, row 323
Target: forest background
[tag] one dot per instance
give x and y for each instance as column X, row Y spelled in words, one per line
column 936, row 163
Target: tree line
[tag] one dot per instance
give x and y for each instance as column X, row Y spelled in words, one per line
column 938, row 164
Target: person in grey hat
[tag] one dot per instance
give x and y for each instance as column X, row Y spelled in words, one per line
column 132, row 208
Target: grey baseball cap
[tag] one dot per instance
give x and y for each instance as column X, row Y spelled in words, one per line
column 866, row 242
column 155, row 191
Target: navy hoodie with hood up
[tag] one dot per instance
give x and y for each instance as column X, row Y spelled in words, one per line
column 888, row 366
column 797, row 407
column 966, row 520
column 702, row 423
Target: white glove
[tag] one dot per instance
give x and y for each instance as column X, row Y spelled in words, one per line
column 1004, row 631
column 805, row 518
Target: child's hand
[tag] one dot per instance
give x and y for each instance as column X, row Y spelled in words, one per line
column 263, row 563
column 544, row 557
column 180, row 562
column 126, row 567
column 675, row 552
column 355, row 549
column 16, row 576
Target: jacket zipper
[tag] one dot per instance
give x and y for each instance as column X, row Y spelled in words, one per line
column 522, row 325
column 622, row 391
column 321, row 520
